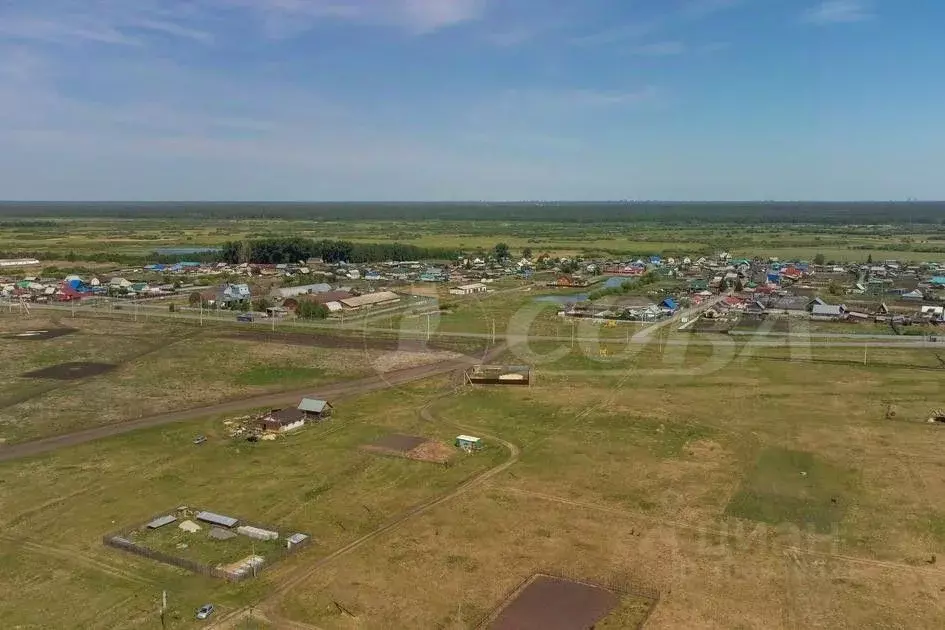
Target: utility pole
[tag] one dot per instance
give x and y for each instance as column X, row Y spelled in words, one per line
column 163, row 608
column 866, row 346
column 493, row 331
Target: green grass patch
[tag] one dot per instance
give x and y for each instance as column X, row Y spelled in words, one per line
column 271, row 375
column 631, row 613
column 796, row 487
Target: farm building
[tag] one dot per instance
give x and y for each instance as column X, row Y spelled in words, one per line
column 305, row 289
column 315, row 409
column 827, row 312
column 257, row 533
column 161, row 522
column 216, row 519
column 283, row 420
column 369, row 300
column 469, row 289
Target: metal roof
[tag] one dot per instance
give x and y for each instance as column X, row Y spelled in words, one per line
column 467, row 438
column 827, row 309
column 370, row 298
column 217, row 519
column 162, row 521
column 312, row 405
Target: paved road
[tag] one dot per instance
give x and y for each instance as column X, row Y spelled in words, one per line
column 331, row 391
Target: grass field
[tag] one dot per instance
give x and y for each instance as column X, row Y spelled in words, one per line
column 161, row 366
column 90, row 235
column 758, row 492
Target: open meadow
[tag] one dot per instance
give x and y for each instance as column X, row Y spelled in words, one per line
column 158, row 366
column 707, row 487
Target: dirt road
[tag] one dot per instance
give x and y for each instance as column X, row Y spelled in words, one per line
column 275, row 594
column 332, row 391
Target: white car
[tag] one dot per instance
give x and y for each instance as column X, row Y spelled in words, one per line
column 205, row 611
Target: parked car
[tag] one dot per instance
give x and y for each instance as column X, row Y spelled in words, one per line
column 204, row 611
column 245, row 317
column 200, row 439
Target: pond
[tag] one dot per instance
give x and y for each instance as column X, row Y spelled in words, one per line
column 616, row 281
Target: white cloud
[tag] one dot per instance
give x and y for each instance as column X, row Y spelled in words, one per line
column 110, row 22
column 290, row 17
column 837, row 12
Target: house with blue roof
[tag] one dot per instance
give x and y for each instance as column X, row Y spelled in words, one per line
column 938, row 281
column 669, row 304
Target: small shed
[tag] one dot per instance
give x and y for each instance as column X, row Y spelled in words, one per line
column 313, row 408
column 162, row 521
column 468, row 442
column 217, row 519
column 295, row 540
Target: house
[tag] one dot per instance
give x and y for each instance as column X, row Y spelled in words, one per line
column 315, row 409
column 828, row 312
column 755, row 308
column 790, row 305
column 469, row 289
column 283, row 420
column 933, row 311
column 938, row 282
column 913, row 295
column 669, row 304
column 233, row 293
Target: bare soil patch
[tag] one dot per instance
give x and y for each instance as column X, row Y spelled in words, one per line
column 398, row 443
column 40, row 335
column 412, row 447
column 431, row 451
column 71, row 371
column 549, row 603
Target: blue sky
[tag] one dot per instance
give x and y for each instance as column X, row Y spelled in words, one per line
column 472, row 99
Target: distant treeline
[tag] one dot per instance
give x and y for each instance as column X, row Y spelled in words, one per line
column 130, row 260
column 744, row 213
column 293, row 250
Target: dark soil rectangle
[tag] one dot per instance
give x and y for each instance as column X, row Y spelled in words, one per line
column 71, row 371
column 40, row 335
column 549, row 603
column 398, row 443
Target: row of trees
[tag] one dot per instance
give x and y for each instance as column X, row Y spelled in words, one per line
column 293, row 250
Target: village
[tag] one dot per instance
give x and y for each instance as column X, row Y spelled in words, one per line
column 638, row 290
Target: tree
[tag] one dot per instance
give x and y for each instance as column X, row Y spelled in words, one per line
column 194, row 299
column 869, row 259
column 262, row 304
column 527, row 253
column 739, row 287
column 819, row 259
column 501, row 251
column 835, row 288
column 311, row 310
